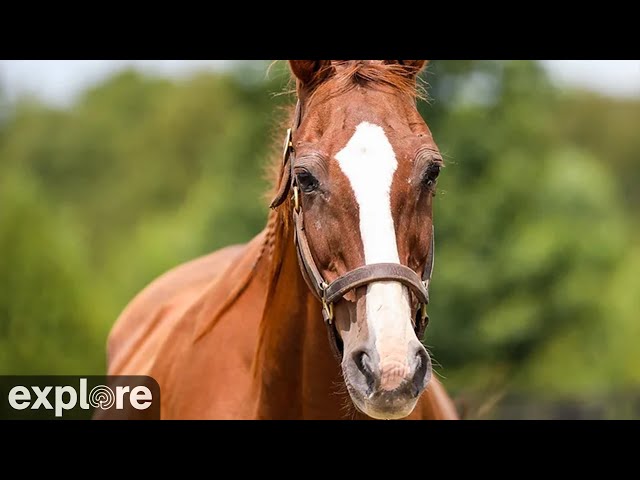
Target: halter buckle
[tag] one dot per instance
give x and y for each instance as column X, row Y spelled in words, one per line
column 327, row 312
column 327, row 308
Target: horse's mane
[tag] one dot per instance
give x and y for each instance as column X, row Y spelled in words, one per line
column 375, row 74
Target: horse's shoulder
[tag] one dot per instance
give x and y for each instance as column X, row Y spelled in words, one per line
column 151, row 313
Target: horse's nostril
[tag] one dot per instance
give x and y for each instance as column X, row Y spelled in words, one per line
column 422, row 369
column 420, row 358
column 363, row 362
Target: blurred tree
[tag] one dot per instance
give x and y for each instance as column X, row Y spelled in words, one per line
column 608, row 127
column 528, row 225
column 45, row 289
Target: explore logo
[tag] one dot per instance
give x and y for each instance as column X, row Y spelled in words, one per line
column 66, row 397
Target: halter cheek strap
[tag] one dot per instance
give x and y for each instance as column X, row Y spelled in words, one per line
column 330, row 293
column 286, row 175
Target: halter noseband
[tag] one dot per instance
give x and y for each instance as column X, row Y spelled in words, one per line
column 329, row 293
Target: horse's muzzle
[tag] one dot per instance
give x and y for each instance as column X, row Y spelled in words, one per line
column 387, row 389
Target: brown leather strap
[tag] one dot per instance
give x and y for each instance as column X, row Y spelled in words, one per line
column 285, row 180
column 286, row 176
column 334, row 341
column 377, row 272
column 313, row 279
column 310, row 272
column 428, row 269
column 420, row 324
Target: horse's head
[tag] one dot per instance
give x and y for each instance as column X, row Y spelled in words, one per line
column 361, row 169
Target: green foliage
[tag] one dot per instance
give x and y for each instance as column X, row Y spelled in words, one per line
column 44, row 299
column 529, row 228
column 535, row 282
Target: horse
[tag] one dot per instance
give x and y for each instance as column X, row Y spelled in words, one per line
column 322, row 313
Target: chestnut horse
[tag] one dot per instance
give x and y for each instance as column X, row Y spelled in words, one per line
column 347, row 250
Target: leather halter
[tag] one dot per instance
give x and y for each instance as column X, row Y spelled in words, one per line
column 329, row 293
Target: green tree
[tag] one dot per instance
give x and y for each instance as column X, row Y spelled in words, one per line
column 45, row 295
column 529, row 227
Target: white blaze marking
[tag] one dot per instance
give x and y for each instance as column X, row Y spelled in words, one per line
column 369, row 162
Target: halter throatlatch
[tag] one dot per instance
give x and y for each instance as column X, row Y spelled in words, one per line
column 329, row 293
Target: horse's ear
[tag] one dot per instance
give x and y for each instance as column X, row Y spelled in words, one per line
column 311, row 72
column 413, row 67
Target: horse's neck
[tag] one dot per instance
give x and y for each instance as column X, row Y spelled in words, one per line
column 295, row 372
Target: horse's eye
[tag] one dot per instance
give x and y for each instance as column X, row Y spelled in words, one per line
column 306, row 181
column 431, row 175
